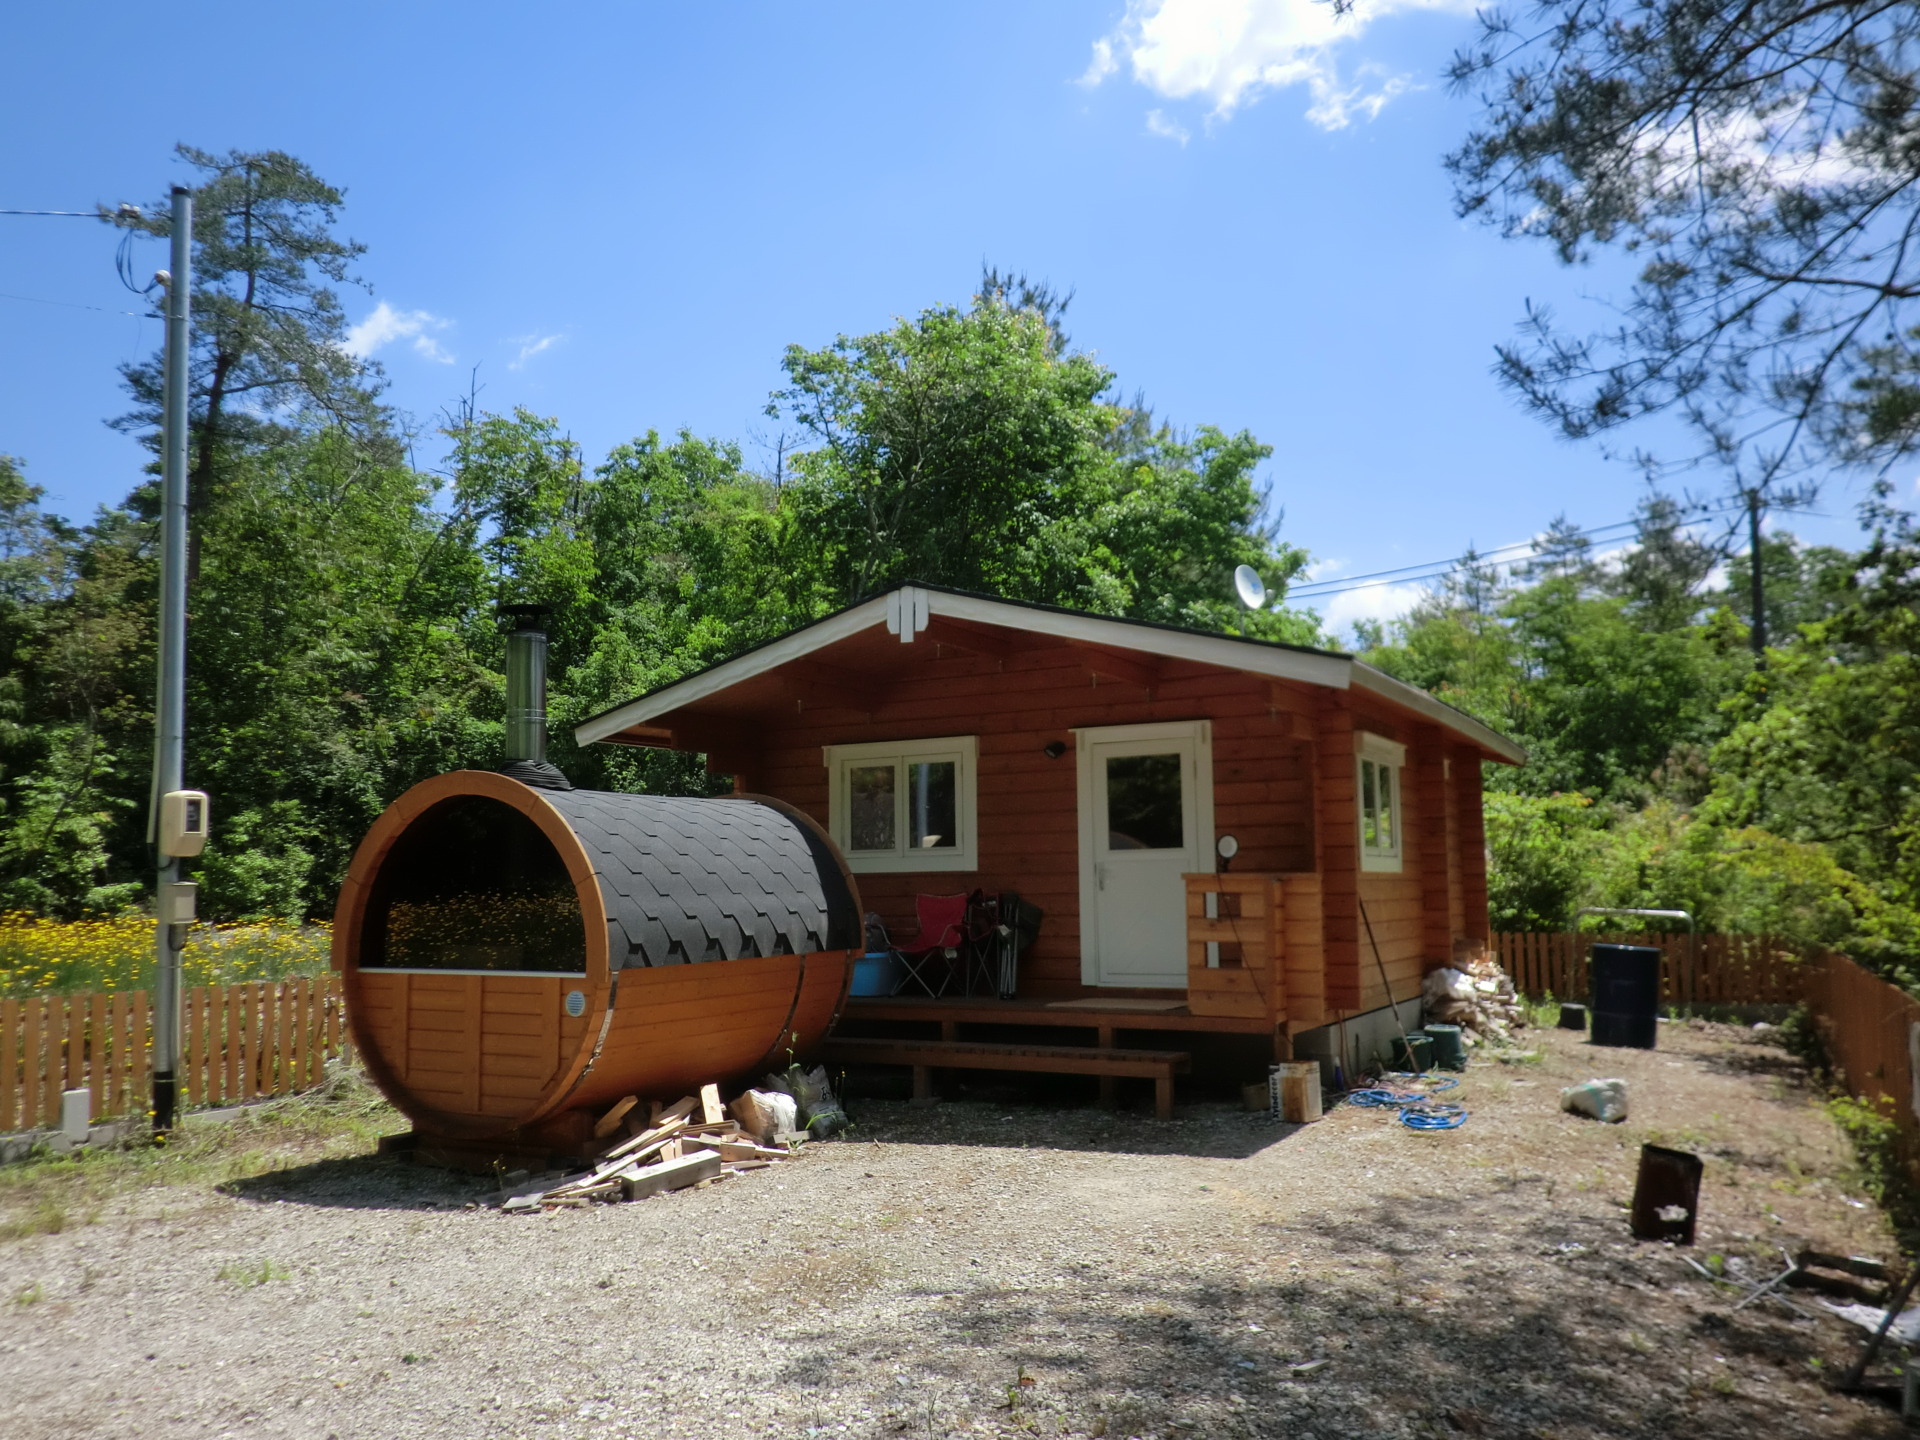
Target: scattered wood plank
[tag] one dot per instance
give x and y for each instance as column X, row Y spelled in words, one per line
column 647, row 1138
column 732, row 1149
column 672, row 1175
column 678, row 1152
column 611, row 1121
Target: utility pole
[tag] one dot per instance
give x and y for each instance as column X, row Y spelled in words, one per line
column 173, row 902
column 1756, row 581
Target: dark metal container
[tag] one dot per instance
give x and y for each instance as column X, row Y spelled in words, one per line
column 1626, row 995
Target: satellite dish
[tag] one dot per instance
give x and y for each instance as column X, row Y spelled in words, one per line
column 1250, row 587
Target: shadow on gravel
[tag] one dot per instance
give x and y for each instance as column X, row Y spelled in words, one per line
column 1554, row 1327
column 363, row 1182
column 1013, row 1119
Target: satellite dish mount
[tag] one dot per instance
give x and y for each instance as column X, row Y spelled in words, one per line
column 1251, row 589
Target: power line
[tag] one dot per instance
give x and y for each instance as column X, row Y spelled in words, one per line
column 1436, row 569
column 68, row 304
column 75, row 214
column 1531, row 546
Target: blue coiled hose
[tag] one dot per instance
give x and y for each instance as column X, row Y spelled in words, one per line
column 1436, row 1116
column 1376, row 1099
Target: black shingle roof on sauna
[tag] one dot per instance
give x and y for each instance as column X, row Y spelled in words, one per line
column 690, row 879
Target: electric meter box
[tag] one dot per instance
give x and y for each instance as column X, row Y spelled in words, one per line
column 183, row 822
column 175, row 904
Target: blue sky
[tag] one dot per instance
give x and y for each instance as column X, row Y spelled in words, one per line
column 622, row 214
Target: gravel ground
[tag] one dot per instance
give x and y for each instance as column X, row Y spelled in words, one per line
column 991, row 1265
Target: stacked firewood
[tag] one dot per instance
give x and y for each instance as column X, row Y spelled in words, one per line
column 691, row 1142
column 1475, row 994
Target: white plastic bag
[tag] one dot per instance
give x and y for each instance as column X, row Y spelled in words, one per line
column 765, row 1114
column 1447, row 983
column 1600, row 1099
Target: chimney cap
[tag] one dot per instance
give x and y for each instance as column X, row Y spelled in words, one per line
column 525, row 617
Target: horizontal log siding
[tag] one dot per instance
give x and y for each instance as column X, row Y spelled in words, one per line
column 1028, row 815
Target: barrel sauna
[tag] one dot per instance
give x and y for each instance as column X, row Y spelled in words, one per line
column 517, row 958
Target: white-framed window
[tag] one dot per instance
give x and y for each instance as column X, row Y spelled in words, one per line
column 1382, row 817
column 904, row 805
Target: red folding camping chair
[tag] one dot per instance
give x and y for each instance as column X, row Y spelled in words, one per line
column 934, row 951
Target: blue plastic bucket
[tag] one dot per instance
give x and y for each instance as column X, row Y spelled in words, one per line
column 875, row 975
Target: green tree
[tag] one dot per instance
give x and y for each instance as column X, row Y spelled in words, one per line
column 1826, row 748
column 1756, row 163
column 268, row 330
column 1541, row 851
column 972, row 448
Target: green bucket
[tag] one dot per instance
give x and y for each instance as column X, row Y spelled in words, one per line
column 1413, row 1051
column 1448, row 1051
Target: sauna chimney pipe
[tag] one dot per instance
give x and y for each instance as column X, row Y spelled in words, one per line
column 526, row 748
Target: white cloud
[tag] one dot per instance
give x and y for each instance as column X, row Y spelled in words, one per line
column 530, row 346
column 1372, row 602
column 1159, row 124
column 1229, row 52
column 386, row 325
column 1384, row 601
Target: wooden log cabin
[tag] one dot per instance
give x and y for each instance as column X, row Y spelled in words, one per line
column 951, row 742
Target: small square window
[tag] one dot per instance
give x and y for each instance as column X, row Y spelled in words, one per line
column 904, row 805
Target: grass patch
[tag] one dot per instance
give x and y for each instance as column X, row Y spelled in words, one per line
column 1543, row 1013
column 248, row 1273
column 50, row 1193
column 1878, row 1156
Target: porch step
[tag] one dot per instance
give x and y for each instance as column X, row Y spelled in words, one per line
column 925, row 1056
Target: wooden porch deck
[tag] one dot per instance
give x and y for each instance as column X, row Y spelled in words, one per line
column 897, row 1017
column 1086, row 1014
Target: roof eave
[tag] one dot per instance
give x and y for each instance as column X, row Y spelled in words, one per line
column 1367, row 677
column 1313, row 667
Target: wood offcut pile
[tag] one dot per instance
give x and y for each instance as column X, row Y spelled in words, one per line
column 691, row 1142
column 1475, row 994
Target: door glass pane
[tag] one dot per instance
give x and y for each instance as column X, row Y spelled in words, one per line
column 931, row 822
column 870, row 801
column 1143, row 803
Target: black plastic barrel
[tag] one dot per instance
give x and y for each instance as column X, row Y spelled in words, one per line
column 1626, row 995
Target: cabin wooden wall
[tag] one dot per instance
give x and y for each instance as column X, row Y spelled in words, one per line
column 1028, row 803
column 1284, row 785
column 1412, row 912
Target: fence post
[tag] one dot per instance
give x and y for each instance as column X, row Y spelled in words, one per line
column 9, row 1060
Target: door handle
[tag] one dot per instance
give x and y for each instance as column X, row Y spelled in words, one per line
column 1099, row 875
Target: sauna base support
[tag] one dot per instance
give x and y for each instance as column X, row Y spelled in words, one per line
column 561, row 1142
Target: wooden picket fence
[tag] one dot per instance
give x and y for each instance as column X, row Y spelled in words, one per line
column 1701, row 970
column 1871, row 1029
column 240, row 1041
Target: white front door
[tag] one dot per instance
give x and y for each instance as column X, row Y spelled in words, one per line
column 1146, row 819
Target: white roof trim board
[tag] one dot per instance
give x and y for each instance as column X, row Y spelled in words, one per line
column 906, row 611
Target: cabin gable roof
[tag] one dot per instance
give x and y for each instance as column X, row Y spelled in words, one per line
column 910, row 611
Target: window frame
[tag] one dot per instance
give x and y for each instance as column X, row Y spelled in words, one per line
column 1388, row 759
column 964, row 750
